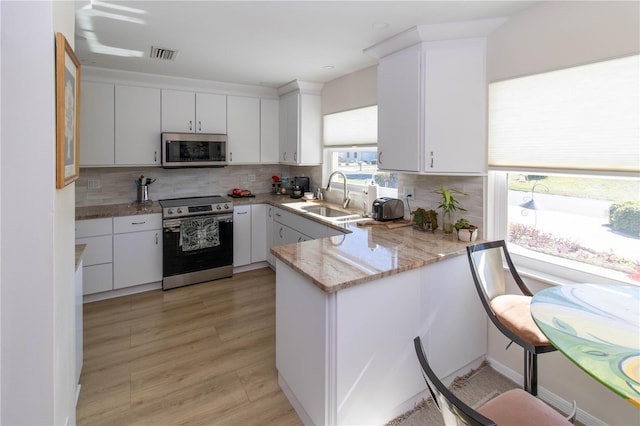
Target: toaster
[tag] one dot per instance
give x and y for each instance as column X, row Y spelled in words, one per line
column 386, row 208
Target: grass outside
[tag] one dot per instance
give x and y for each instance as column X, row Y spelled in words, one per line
column 592, row 188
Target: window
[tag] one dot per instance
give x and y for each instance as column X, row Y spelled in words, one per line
column 564, row 181
column 350, row 140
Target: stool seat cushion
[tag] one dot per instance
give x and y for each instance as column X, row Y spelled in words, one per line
column 514, row 312
column 519, row 408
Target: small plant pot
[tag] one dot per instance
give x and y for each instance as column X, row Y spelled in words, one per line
column 467, row 234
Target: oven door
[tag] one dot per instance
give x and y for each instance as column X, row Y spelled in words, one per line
column 182, row 256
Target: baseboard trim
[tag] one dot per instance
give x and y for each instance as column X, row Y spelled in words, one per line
column 548, row 396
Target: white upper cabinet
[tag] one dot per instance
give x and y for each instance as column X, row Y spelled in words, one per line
column 243, row 115
column 211, row 113
column 269, row 130
column 137, row 124
column 189, row 112
column 432, row 108
column 300, row 128
column 432, row 98
column 97, row 124
column 399, row 80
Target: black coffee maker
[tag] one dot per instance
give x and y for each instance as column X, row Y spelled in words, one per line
column 299, row 187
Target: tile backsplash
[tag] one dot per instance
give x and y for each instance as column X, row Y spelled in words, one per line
column 115, row 185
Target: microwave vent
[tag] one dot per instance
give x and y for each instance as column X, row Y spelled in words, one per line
column 163, row 53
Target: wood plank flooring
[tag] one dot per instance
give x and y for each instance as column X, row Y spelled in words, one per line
column 197, row 355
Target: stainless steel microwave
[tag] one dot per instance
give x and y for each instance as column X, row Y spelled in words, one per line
column 194, row 150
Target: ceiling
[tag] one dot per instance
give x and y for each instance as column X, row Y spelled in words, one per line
column 265, row 43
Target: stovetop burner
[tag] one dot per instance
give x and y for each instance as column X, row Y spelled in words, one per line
column 193, row 206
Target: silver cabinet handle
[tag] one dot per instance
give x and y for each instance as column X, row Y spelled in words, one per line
column 432, row 159
column 284, row 156
column 281, row 232
column 295, row 156
column 241, row 213
column 231, row 156
column 380, row 157
column 278, row 215
column 299, row 239
column 199, row 125
column 156, row 238
column 155, row 156
column 138, row 223
column 190, row 125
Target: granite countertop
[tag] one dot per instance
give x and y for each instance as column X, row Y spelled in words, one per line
column 114, row 210
column 366, row 254
column 362, row 254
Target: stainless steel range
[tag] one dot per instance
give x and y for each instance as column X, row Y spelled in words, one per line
column 197, row 240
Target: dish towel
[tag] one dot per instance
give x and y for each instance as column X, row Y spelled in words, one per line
column 199, row 233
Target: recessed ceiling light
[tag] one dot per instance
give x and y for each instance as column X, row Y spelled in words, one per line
column 379, row 25
column 328, row 67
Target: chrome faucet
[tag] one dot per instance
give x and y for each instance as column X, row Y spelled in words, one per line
column 346, row 199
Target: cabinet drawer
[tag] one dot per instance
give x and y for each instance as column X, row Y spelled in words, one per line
column 97, row 278
column 141, row 222
column 93, row 227
column 99, row 250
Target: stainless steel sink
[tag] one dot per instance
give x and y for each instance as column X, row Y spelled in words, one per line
column 326, row 211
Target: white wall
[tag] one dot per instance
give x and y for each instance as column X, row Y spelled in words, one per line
column 547, row 37
column 36, row 228
column 561, row 34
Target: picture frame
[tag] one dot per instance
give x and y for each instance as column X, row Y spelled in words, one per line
column 67, row 113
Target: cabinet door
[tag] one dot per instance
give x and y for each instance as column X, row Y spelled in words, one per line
column 178, row 111
column 309, row 147
column 269, row 130
column 97, row 130
column 137, row 258
column 137, row 126
column 243, row 129
column 97, row 278
column 288, row 127
column 269, row 234
column 241, row 235
column 455, row 107
column 259, row 233
column 211, row 113
column 399, row 91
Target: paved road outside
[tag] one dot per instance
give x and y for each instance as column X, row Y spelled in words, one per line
column 581, row 220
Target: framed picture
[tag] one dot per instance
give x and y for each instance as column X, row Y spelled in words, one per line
column 67, row 113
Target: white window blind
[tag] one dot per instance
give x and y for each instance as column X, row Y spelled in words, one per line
column 585, row 118
column 354, row 127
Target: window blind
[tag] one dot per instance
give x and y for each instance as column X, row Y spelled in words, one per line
column 585, row 118
column 353, row 127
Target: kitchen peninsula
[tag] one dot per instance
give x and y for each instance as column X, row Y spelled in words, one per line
column 348, row 308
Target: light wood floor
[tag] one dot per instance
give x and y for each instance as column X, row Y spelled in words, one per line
column 197, row 355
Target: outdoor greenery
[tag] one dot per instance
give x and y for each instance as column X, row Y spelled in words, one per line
column 625, row 217
column 598, row 189
column 542, row 242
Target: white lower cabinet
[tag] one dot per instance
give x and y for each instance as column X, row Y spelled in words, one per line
column 241, row 235
column 121, row 252
column 269, row 234
column 97, row 260
column 137, row 250
column 259, row 233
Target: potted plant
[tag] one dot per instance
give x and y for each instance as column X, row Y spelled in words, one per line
column 466, row 231
column 425, row 220
column 449, row 205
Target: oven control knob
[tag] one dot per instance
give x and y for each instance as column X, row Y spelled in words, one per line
column 219, row 207
column 226, row 206
column 169, row 211
column 179, row 211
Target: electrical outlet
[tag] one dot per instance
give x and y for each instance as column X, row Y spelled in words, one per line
column 251, row 178
column 409, row 191
column 93, row 183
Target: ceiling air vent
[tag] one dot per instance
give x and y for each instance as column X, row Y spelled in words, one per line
column 163, row 53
